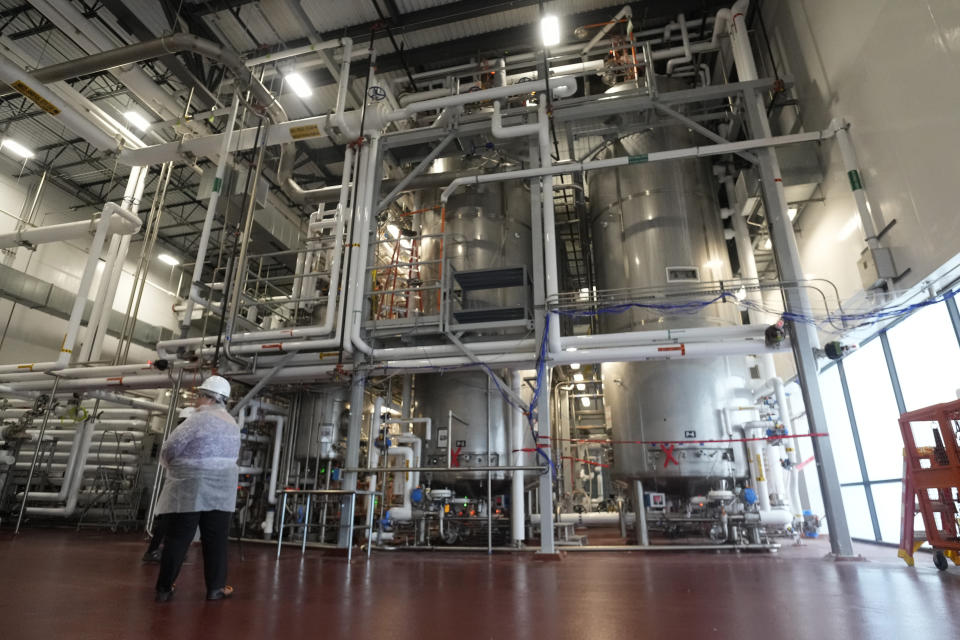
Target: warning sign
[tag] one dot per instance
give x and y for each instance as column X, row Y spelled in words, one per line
column 35, row 97
column 306, row 131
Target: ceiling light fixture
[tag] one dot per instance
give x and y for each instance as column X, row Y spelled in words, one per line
column 585, row 401
column 792, row 213
column 16, row 148
column 393, row 230
column 299, row 84
column 137, row 120
column 550, row 30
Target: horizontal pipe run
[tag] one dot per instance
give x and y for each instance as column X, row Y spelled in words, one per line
column 656, row 156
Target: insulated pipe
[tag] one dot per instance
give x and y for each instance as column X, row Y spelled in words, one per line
column 791, row 447
column 76, row 479
column 625, row 12
column 589, row 519
column 427, row 430
column 66, row 231
column 558, row 84
column 275, row 461
column 201, row 258
column 550, row 270
column 870, row 218
column 687, row 53
column 294, row 52
column 656, row 156
column 35, row 91
column 85, row 384
column 517, row 509
column 404, row 513
column 165, row 347
column 83, row 289
column 409, row 438
column 645, row 337
column 518, row 131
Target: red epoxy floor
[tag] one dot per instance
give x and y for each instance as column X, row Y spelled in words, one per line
column 74, row 586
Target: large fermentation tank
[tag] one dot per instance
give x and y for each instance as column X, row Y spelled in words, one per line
column 657, row 226
column 476, row 434
column 484, row 226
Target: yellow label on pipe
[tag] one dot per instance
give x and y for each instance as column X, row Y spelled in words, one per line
column 35, row 97
column 305, row 131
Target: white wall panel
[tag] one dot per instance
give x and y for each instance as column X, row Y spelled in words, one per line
column 893, row 69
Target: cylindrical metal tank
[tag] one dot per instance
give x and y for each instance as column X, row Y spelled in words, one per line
column 470, row 419
column 485, row 226
column 657, row 226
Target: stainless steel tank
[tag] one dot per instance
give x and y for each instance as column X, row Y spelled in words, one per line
column 470, row 420
column 657, row 225
column 486, row 226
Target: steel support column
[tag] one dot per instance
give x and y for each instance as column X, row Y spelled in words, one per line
column 352, row 457
column 804, row 339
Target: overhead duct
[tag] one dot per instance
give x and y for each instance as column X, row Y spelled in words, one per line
column 39, row 295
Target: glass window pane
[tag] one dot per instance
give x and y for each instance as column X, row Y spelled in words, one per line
column 887, row 500
column 838, row 423
column 858, row 513
column 875, row 410
column 926, row 354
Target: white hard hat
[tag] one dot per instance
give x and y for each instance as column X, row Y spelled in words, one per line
column 216, row 384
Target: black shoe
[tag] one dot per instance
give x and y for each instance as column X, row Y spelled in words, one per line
column 220, row 594
column 164, row 596
column 152, row 556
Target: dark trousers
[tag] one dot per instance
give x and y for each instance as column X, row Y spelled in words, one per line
column 181, row 527
column 159, row 532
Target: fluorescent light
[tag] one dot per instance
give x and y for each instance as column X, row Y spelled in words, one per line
column 741, row 294
column 574, row 365
column 393, row 230
column 166, row 258
column 16, row 148
column 713, row 264
column 578, row 377
column 585, row 401
column 767, row 244
column 299, row 84
column 581, row 387
column 137, row 120
column 570, row 349
column 792, row 213
column 550, row 30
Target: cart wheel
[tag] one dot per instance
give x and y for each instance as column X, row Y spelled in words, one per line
column 940, row 560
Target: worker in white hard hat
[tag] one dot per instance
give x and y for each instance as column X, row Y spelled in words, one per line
column 200, row 489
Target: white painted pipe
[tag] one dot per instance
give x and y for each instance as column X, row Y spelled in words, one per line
column 517, row 131
column 79, row 469
column 35, row 91
column 550, row 270
column 649, row 337
column 278, row 421
column 167, row 347
column 589, row 519
column 427, row 430
column 294, row 52
column 83, row 289
column 687, row 56
column 222, row 163
column 517, row 430
column 625, row 12
column 68, row 231
column 404, row 513
column 666, row 352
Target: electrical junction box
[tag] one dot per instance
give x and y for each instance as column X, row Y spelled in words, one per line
column 655, row 501
column 875, row 267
